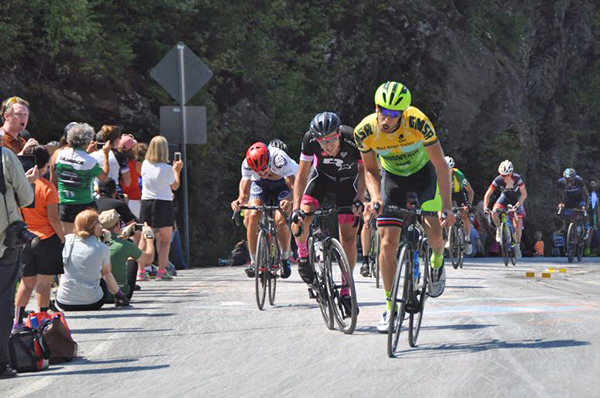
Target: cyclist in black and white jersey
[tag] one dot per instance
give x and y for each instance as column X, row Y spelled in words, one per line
column 267, row 173
column 514, row 193
column 330, row 148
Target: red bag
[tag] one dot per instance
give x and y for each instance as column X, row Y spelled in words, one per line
column 37, row 318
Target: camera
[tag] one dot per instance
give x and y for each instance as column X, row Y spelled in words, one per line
column 17, row 235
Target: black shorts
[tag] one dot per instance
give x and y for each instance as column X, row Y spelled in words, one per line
column 340, row 191
column 158, row 213
column 266, row 189
column 422, row 187
column 45, row 259
column 460, row 198
column 68, row 212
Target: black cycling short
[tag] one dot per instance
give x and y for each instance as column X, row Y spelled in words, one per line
column 395, row 191
column 68, row 212
column 45, row 259
column 460, row 198
column 341, row 191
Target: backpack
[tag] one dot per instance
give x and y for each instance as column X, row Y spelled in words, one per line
column 28, row 352
column 239, row 255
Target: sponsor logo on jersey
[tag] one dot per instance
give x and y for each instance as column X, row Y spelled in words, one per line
column 343, row 154
column 339, row 163
column 422, row 126
column 280, row 161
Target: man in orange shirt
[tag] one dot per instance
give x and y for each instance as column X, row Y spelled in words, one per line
column 44, row 261
column 15, row 115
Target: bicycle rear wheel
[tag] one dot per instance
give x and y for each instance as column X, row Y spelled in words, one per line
column 275, row 259
column 342, row 293
column 399, row 296
column 571, row 242
column 419, row 290
column 513, row 250
column 321, row 286
column 261, row 278
column 505, row 243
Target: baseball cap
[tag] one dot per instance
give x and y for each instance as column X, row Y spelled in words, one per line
column 127, row 142
column 109, row 218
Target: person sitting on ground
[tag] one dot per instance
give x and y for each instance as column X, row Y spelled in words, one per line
column 538, row 247
column 124, row 253
column 87, row 280
column 42, row 262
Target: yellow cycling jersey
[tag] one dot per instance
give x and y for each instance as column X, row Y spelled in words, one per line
column 403, row 151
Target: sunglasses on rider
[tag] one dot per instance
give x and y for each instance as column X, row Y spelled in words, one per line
column 390, row 113
column 331, row 140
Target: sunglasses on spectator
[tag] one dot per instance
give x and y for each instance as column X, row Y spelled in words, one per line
column 390, row 113
column 331, row 140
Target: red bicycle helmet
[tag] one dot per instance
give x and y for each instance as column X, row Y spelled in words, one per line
column 257, row 156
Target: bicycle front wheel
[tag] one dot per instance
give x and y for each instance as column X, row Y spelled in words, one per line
column 399, row 297
column 571, row 242
column 275, row 259
column 342, row 293
column 505, row 243
column 261, row 278
column 321, row 286
column 580, row 242
column 454, row 250
column 419, row 292
column 375, row 245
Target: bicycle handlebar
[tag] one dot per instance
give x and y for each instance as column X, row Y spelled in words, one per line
column 325, row 211
column 236, row 214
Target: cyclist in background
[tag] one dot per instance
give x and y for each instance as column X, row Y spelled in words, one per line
column 266, row 173
column 338, row 172
column 513, row 194
column 462, row 195
column 572, row 193
column 412, row 160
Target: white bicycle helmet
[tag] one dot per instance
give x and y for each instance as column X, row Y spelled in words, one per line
column 505, row 167
column 449, row 161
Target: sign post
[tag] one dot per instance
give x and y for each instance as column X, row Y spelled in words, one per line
column 182, row 74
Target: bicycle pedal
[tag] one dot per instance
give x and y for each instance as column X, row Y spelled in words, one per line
column 311, row 294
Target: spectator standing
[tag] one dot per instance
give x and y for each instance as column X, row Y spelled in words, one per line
column 75, row 171
column 44, row 261
column 124, row 254
column 17, row 192
column 159, row 180
column 118, row 161
column 132, row 190
column 15, row 114
column 594, row 216
column 62, row 143
column 87, row 280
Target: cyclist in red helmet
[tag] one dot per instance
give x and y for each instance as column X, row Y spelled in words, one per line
column 267, row 172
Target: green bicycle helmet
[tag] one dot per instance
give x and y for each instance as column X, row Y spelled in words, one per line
column 393, row 96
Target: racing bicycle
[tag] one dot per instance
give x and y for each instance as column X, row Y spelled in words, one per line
column 409, row 289
column 333, row 283
column 268, row 253
column 576, row 234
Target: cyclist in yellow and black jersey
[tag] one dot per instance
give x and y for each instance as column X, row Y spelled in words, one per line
column 412, row 161
column 462, row 195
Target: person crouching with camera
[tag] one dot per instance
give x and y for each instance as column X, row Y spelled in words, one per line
column 16, row 191
column 87, row 280
column 123, row 252
column 42, row 262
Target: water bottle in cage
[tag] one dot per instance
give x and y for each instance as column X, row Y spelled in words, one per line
column 416, row 265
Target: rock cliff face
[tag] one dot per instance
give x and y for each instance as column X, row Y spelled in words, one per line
column 499, row 79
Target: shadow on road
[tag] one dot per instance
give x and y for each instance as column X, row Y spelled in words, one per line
column 105, row 315
column 116, row 330
column 53, row 371
column 461, row 348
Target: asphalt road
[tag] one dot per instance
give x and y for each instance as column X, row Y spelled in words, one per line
column 494, row 332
